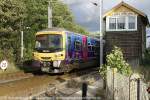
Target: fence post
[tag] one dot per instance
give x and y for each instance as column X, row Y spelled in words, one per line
column 84, row 91
column 114, row 82
column 135, row 86
column 129, row 87
column 138, row 89
column 113, row 85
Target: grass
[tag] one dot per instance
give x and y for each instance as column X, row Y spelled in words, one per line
column 26, row 67
column 10, row 69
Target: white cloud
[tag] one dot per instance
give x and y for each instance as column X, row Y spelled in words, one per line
column 86, row 13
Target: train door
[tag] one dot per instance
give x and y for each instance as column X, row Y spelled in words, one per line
column 69, row 46
column 84, row 48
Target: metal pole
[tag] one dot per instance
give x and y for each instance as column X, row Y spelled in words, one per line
column 22, row 46
column 101, row 32
column 49, row 15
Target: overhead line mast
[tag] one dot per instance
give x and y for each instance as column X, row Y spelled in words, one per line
column 50, row 24
column 101, row 32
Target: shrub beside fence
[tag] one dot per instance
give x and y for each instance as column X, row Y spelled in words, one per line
column 121, row 87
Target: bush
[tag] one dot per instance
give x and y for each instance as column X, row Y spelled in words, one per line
column 115, row 60
column 7, row 55
column 28, row 52
column 146, row 60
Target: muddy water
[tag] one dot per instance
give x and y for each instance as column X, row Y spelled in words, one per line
column 28, row 84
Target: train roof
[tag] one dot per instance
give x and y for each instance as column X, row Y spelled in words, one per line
column 62, row 29
column 53, row 29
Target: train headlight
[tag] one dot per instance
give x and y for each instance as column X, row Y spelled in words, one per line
column 56, row 63
column 58, row 55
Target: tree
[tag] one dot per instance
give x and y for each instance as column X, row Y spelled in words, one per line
column 11, row 15
column 17, row 15
column 36, row 19
column 146, row 60
column 37, row 15
column 62, row 17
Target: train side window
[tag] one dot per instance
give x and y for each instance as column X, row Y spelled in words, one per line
column 77, row 45
column 93, row 47
column 90, row 47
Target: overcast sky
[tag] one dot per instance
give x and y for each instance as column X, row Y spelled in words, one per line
column 87, row 15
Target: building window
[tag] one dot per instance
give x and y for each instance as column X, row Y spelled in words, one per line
column 132, row 22
column 112, row 23
column 121, row 23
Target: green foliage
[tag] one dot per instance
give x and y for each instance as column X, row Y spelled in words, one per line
column 144, row 69
column 115, row 60
column 103, row 71
column 36, row 19
column 19, row 15
column 62, row 17
column 146, row 60
column 11, row 15
column 6, row 55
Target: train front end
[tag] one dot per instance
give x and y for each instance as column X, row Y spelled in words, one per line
column 49, row 51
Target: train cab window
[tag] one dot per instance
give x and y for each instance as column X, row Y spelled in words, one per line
column 77, row 45
column 49, row 42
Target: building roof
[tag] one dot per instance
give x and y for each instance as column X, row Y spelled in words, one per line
column 129, row 7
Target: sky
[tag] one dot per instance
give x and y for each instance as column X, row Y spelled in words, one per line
column 86, row 13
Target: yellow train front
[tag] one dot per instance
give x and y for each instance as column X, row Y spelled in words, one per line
column 58, row 50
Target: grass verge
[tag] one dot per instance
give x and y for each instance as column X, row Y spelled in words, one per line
column 10, row 69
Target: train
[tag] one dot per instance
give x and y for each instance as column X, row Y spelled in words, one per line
column 58, row 50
